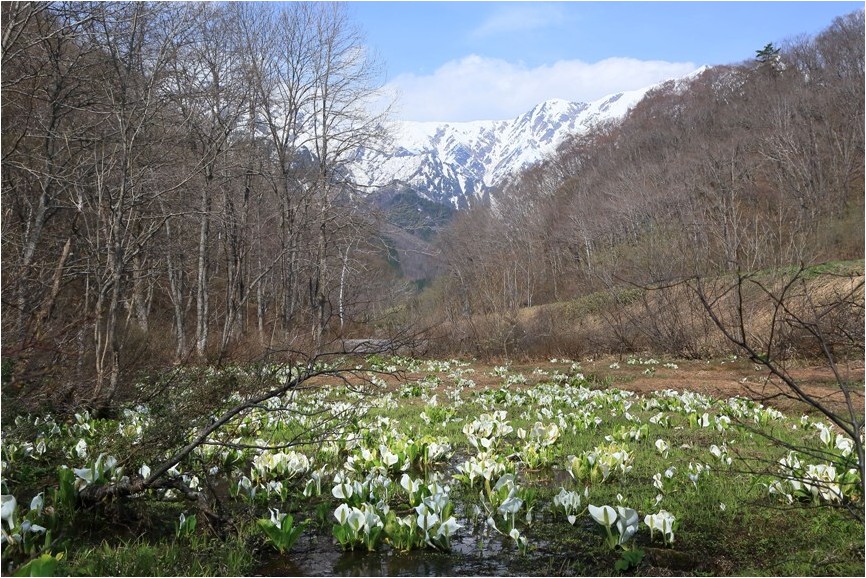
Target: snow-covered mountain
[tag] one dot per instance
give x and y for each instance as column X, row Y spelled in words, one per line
column 456, row 163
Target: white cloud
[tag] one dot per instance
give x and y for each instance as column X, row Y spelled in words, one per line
column 510, row 18
column 479, row 88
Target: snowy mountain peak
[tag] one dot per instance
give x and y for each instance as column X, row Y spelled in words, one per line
column 556, row 107
column 460, row 162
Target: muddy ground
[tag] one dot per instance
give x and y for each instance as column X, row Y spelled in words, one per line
column 720, row 378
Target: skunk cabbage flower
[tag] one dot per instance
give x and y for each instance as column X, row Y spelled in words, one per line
column 371, row 518
column 342, row 513
column 626, row 523
column 7, row 510
column 343, row 491
column 436, row 502
column 426, row 518
column 663, row 522
column 81, row 448
column 604, row 515
column 37, row 503
column 510, row 505
column 356, row 520
column 411, row 486
column 448, row 528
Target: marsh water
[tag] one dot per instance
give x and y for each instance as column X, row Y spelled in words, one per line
column 319, row 556
column 470, row 555
column 475, row 551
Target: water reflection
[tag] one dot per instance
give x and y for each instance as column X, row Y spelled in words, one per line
column 471, row 555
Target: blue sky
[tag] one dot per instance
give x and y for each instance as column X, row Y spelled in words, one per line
column 459, row 61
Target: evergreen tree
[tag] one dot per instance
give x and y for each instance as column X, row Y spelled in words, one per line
column 769, row 57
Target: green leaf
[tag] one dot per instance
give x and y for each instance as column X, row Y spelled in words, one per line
column 44, row 565
column 66, row 491
column 629, row 559
column 273, row 533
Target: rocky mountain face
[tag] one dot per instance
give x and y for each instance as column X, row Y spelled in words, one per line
column 460, row 163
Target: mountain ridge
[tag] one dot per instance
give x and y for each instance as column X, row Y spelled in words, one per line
column 461, row 163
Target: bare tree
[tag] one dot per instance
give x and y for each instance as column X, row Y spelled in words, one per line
column 821, row 315
column 137, row 41
column 45, row 151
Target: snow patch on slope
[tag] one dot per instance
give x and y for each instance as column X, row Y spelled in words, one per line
column 457, row 163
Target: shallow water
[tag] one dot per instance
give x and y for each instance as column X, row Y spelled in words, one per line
column 320, row 556
column 555, row 549
column 476, row 550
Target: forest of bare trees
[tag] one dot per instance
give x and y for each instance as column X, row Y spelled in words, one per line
column 173, row 188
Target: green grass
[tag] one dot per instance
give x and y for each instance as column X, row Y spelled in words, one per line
column 843, row 268
column 727, row 522
column 200, row 556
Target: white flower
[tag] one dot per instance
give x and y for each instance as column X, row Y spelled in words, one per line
column 406, row 521
column 81, row 448
column 448, row 527
column 510, row 505
column 662, row 521
column 356, row 520
column 276, row 516
column 569, row 501
column 7, row 509
column 505, row 480
column 626, row 523
column 342, row 513
column 388, row 458
column 343, row 491
column 86, row 475
column 37, row 503
column 604, row 515
column 426, row 519
column 28, row 526
column 411, row 486
column 371, row 518
column 844, row 444
column 826, row 436
column 275, row 486
column 436, row 502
